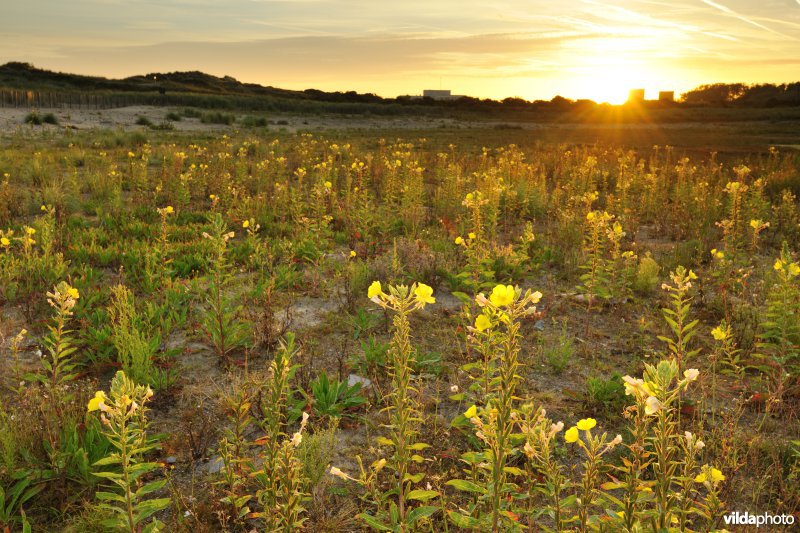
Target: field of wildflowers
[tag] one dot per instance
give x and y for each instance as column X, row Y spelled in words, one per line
column 293, row 332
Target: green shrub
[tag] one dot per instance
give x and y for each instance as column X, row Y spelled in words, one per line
column 647, row 277
column 217, row 117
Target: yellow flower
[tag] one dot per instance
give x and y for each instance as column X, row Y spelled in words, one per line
column 652, row 405
column 352, row 253
column 794, row 269
column 338, row 473
column 716, row 254
column 586, row 424
column 29, row 230
column 424, row 294
column 44, row 207
column 471, row 412
column 379, row 464
column 469, row 196
column 482, row 323
column 169, row 210
column 471, row 235
column 246, row 224
column 4, row 241
column 718, row 333
column 590, row 216
column 72, row 292
column 374, row 289
column 710, row 474
column 459, row 240
column 328, row 184
column 571, row 435
column 94, row 403
column 502, row 295
column 212, row 196
column 778, row 265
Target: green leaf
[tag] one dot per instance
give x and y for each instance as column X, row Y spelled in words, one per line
column 149, row 507
column 422, row 495
column 423, row 511
column 467, row 486
column 150, row 487
column 373, row 522
column 463, row 521
column 414, row 478
column 109, row 496
column 383, row 441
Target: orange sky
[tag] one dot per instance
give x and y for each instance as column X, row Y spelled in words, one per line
column 533, row 49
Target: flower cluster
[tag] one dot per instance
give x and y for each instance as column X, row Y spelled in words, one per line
column 419, row 295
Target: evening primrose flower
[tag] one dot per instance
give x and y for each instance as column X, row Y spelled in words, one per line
column 459, row 240
column 72, row 292
column 471, row 412
column 97, row 402
column 424, row 294
column 482, row 323
column 502, row 295
column 374, row 289
column 652, row 405
column 169, row 210
column 328, row 184
column 586, row 424
column 710, row 474
column 716, row 254
column 297, row 438
column 246, row 224
column 571, row 435
column 338, row 473
column 352, row 253
column 472, row 235
column 5, row 242
column 718, row 333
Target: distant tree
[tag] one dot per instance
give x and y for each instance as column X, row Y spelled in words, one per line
column 715, row 94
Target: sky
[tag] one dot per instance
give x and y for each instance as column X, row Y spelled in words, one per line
column 532, row 49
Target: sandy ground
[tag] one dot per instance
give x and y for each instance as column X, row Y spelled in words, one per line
column 13, row 120
column 734, row 137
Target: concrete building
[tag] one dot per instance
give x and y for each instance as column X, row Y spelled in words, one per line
column 636, row 95
column 666, row 96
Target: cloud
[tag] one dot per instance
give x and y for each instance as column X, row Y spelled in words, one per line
column 526, row 47
column 736, row 15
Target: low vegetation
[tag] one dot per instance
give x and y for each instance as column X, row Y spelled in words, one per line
column 250, row 332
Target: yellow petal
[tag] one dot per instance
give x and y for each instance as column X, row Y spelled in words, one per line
column 374, row 289
column 571, row 435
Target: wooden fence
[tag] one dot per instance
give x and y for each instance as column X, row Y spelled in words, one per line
column 71, row 100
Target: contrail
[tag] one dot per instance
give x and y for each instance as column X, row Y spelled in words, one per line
column 734, row 14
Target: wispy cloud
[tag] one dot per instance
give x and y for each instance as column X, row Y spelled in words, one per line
column 741, row 17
